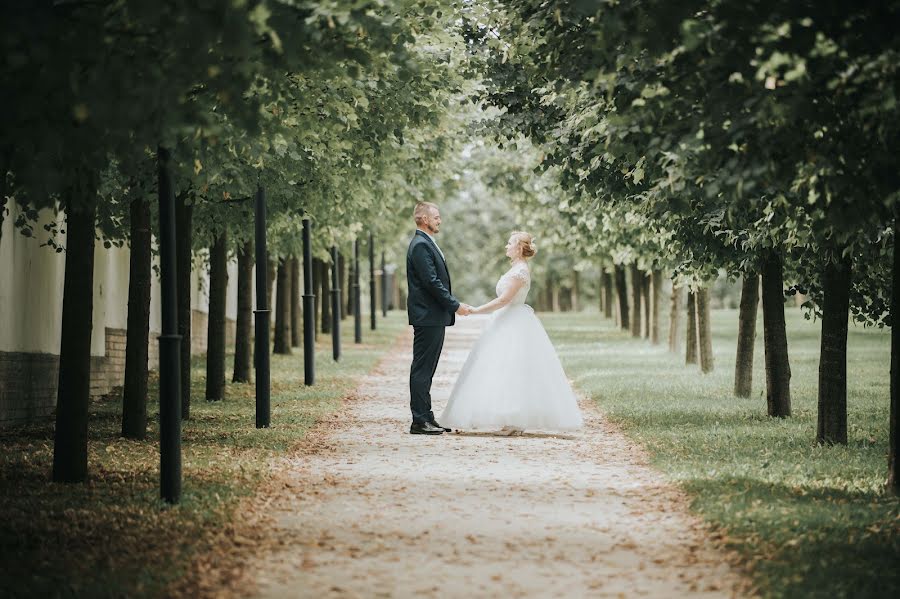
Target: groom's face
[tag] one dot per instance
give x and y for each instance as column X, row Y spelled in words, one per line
column 432, row 222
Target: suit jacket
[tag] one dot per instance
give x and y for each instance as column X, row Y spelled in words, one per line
column 429, row 301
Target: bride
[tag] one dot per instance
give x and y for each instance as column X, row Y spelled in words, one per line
column 512, row 379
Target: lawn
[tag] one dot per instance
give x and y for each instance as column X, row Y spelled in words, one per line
column 112, row 537
column 808, row 520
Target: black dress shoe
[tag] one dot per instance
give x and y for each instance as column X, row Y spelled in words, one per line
column 424, row 428
column 436, row 425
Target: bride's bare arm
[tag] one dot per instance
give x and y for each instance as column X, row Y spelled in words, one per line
column 495, row 304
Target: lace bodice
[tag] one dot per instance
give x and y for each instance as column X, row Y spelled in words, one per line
column 520, row 272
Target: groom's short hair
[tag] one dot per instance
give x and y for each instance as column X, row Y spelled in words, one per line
column 422, row 209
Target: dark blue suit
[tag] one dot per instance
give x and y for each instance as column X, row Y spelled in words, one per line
column 431, row 307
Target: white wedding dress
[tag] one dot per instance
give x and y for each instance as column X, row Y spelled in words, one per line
column 512, row 377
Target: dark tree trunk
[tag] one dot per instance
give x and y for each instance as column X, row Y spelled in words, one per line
column 4, row 169
column 778, row 367
column 282, row 344
column 296, row 316
column 607, row 294
column 637, row 289
column 346, row 279
column 554, row 295
column 674, row 318
column 215, row 324
column 656, row 283
column 691, row 351
column 645, row 305
column 832, row 421
column 743, row 364
column 704, row 331
column 184, row 216
column 74, row 383
column 134, row 391
column 2, row 204
column 244, row 325
column 325, row 300
column 622, row 296
column 574, row 292
column 893, row 481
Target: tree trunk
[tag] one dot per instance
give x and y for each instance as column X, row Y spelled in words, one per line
column 832, row 421
column 74, row 383
column 134, row 391
column 282, row 343
column 346, row 279
column 778, row 367
column 645, row 304
column 637, row 290
column 244, row 324
column 743, row 364
column 554, row 296
column 184, row 217
column 4, row 179
column 607, row 294
column 893, row 481
column 704, row 331
column 674, row 318
column 601, row 298
column 656, row 283
column 326, row 297
column 622, row 297
column 575, row 292
column 296, row 316
column 691, row 351
column 215, row 324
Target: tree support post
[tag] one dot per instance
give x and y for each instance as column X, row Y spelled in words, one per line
column 357, row 315
column 169, row 340
column 371, row 281
column 335, row 306
column 309, row 310
column 261, row 314
column 384, row 289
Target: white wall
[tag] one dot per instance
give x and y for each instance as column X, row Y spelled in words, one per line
column 31, row 289
column 231, row 293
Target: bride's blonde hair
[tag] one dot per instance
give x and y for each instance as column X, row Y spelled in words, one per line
column 526, row 242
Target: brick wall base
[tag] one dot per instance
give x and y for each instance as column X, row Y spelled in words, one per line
column 28, row 381
column 27, row 386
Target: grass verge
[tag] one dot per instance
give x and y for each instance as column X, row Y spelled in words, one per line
column 113, row 537
column 808, row 520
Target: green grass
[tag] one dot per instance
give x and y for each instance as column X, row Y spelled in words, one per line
column 807, row 520
column 112, row 537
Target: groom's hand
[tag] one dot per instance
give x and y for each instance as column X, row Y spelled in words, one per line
column 464, row 310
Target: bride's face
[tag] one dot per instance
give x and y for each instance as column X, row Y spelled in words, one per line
column 512, row 248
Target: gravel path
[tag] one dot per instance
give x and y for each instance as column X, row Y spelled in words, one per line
column 372, row 511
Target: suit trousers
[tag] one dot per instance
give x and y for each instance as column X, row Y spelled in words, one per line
column 427, row 345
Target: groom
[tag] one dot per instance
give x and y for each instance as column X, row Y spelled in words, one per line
column 431, row 307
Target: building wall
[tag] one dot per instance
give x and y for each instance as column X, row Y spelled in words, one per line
column 31, row 294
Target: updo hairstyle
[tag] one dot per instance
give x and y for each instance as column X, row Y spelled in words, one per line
column 526, row 242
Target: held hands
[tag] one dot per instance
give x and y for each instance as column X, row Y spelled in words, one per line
column 465, row 310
